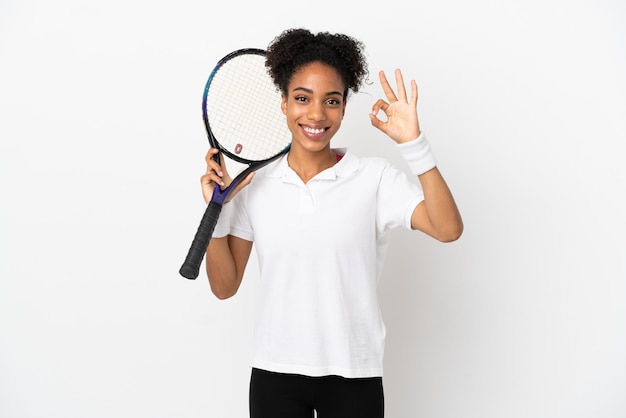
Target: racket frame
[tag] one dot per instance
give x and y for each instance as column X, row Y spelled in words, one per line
column 191, row 266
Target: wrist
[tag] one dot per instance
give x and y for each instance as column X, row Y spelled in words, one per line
column 418, row 154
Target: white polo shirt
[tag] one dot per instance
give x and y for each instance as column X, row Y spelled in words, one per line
column 321, row 247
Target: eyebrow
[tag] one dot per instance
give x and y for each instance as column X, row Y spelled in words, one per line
column 330, row 93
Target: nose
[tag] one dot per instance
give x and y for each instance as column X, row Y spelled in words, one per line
column 316, row 111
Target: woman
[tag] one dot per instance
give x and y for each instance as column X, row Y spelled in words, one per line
column 318, row 218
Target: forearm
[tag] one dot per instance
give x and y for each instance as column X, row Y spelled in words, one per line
column 226, row 259
column 438, row 215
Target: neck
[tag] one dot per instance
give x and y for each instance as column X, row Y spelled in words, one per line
column 309, row 164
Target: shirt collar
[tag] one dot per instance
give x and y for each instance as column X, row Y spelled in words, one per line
column 345, row 167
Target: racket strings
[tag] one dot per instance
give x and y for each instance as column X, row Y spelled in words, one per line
column 243, row 109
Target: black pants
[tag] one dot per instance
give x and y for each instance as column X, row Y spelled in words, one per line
column 278, row 395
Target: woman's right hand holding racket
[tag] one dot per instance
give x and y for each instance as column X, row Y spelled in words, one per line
column 217, row 174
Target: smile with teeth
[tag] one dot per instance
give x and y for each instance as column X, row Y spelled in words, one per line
column 313, row 130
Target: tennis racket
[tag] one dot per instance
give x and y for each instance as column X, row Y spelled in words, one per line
column 244, row 120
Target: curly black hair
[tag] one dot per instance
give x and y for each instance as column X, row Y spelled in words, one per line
column 295, row 48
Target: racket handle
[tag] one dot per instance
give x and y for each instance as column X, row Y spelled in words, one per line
column 195, row 255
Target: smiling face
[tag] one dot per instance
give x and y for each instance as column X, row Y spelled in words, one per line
column 314, row 106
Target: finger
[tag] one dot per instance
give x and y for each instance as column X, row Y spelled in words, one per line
column 400, row 85
column 391, row 96
column 210, row 155
column 414, row 94
column 207, row 180
column 375, row 120
column 214, row 173
column 208, row 187
column 377, row 123
column 210, row 179
column 378, row 106
column 212, row 164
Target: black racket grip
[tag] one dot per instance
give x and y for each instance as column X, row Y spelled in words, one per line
column 191, row 267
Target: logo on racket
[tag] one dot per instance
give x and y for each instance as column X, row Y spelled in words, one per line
column 238, row 148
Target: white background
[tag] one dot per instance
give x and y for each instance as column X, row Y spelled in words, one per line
column 102, row 146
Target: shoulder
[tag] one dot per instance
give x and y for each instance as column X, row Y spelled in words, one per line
column 373, row 169
column 352, row 163
column 383, row 173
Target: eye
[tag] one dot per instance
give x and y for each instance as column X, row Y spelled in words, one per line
column 334, row 102
column 300, row 99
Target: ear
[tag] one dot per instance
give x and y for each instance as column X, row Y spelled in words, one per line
column 283, row 103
